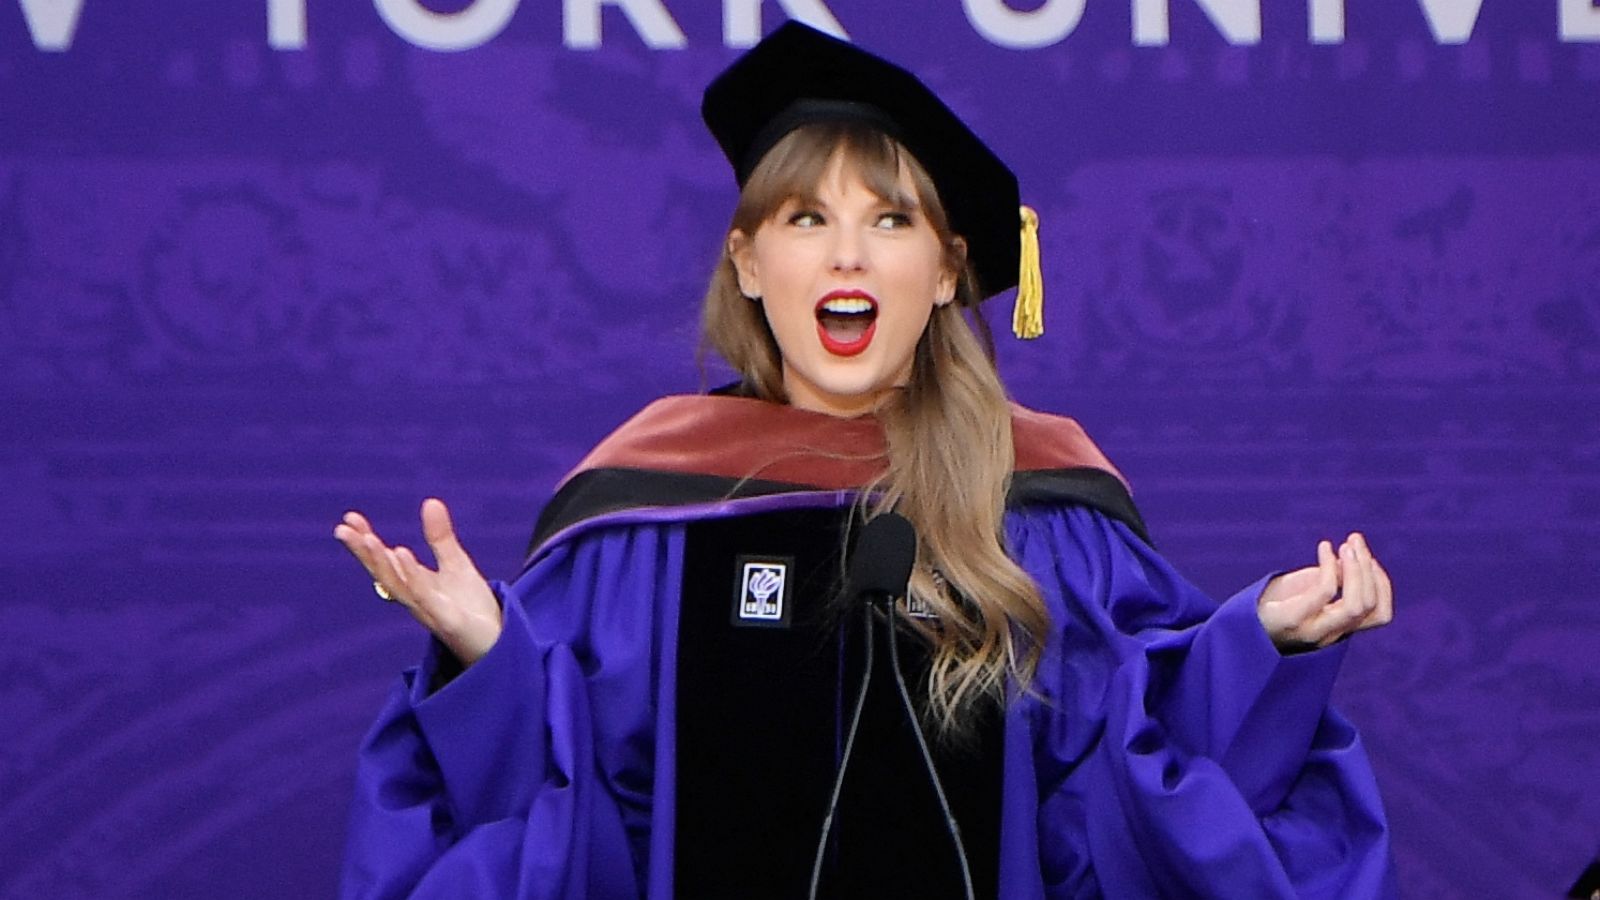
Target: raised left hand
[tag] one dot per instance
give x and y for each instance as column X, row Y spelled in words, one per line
column 453, row 601
column 1340, row 595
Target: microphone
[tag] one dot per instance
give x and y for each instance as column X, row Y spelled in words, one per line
column 880, row 571
column 885, row 553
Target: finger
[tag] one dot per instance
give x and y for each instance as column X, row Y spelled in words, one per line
column 354, row 531
column 354, row 523
column 440, row 534
column 357, row 521
column 1305, row 607
column 386, row 572
column 413, row 573
column 405, row 563
column 1383, row 614
column 1378, row 598
column 1328, row 567
column 356, row 543
column 1365, row 562
column 1341, row 617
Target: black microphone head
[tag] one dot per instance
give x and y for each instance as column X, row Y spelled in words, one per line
column 885, row 552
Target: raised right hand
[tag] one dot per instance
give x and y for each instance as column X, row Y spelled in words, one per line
column 454, row 601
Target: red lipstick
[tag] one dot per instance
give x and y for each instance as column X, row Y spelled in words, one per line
column 846, row 321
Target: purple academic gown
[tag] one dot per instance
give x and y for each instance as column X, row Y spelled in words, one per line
column 1168, row 749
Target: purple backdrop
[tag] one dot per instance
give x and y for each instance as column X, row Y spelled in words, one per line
column 1329, row 266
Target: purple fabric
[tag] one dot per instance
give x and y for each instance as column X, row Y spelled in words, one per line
column 1175, row 752
column 531, row 773
column 1167, row 748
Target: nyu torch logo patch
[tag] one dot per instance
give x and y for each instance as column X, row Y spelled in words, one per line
column 761, row 596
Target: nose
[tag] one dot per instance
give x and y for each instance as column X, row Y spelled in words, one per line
column 849, row 250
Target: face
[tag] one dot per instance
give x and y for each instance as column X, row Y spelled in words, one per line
column 847, row 282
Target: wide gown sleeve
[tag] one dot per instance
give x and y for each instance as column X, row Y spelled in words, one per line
column 530, row 773
column 1176, row 752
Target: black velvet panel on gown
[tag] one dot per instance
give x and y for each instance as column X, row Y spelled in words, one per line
column 763, row 707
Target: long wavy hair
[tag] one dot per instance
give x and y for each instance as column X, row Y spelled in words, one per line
column 947, row 432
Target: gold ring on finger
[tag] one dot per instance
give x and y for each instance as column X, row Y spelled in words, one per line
column 382, row 591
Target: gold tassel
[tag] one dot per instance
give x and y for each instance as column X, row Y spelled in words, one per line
column 1027, row 317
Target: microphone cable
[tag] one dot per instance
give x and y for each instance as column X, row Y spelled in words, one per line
column 844, row 761
column 950, row 823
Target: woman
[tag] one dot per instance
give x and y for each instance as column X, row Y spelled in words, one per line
column 608, row 725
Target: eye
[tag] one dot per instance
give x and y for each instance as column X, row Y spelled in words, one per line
column 806, row 218
column 893, row 220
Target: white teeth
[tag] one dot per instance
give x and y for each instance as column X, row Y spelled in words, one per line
column 847, row 306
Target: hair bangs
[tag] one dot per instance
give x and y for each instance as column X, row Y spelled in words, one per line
column 794, row 168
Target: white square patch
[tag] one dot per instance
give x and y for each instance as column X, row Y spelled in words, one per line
column 762, row 593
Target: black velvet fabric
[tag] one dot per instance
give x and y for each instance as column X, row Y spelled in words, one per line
column 762, row 715
column 596, row 492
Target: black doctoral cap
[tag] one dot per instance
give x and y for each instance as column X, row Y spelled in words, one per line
column 798, row 75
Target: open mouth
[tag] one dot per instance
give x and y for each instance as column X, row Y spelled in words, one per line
column 846, row 321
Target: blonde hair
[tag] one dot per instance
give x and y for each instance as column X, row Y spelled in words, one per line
column 948, row 432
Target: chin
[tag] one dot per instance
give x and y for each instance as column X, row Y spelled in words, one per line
column 839, row 380
column 853, row 393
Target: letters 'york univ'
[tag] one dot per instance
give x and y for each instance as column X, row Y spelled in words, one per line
column 53, row 23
